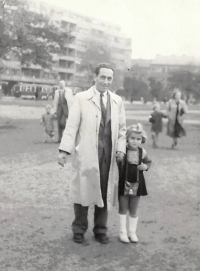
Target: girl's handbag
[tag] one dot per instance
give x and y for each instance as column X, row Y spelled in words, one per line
column 131, row 189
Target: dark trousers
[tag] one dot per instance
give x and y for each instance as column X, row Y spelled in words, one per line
column 60, row 131
column 80, row 223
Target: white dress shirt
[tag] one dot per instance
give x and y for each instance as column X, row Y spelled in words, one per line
column 104, row 98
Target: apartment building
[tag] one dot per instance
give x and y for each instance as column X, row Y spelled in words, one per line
column 82, row 31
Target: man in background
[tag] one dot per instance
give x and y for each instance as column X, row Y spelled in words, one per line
column 62, row 101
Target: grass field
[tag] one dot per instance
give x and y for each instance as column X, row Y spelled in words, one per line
column 36, row 214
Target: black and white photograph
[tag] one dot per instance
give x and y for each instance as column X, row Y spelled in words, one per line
column 99, row 135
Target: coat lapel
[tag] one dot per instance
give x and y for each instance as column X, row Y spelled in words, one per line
column 111, row 104
column 91, row 96
column 114, row 113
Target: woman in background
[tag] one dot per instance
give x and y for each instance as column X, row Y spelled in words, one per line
column 176, row 111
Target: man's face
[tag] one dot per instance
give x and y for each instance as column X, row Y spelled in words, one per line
column 177, row 96
column 48, row 110
column 62, row 84
column 104, row 79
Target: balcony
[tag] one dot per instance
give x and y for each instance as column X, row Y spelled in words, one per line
column 68, row 57
column 71, row 45
column 69, row 26
column 25, row 79
column 66, row 70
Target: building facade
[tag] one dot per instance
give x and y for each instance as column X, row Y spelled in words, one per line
column 65, row 67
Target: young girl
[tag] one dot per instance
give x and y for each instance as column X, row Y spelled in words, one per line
column 132, row 182
column 47, row 121
column 156, row 123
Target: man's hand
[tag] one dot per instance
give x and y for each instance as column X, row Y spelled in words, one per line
column 142, row 167
column 62, row 158
column 119, row 156
column 55, row 115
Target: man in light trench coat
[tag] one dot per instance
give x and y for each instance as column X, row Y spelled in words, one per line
column 95, row 137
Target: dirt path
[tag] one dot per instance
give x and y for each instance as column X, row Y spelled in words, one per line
column 36, row 214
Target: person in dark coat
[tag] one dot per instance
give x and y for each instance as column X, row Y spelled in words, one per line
column 62, row 102
column 176, row 112
column 156, row 123
column 132, row 182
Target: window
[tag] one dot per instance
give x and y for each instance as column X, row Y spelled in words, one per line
column 72, row 39
column 62, row 75
column 62, row 63
column 71, row 52
column 70, row 64
column 15, row 72
column 36, row 73
column 46, row 75
column 72, row 26
column 27, row 72
column 52, row 76
column 17, row 88
column 64, row 24
column 69, row 76
column 6, row 71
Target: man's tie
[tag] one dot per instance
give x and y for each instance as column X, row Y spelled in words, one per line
column 103, row 109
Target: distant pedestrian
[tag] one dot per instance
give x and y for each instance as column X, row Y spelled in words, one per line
column 176, row 111
column 131, row 182
column 156, row 123
column 62, row 101
column 48, row 123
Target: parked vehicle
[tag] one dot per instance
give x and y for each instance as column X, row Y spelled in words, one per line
column 34, row 91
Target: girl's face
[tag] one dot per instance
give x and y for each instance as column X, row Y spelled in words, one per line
column 156, row 108
column 48, row 110
column 134, row 140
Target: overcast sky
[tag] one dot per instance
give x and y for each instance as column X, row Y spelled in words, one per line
column 163, row 27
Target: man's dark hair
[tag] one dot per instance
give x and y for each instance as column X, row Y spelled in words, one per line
column 102, row 65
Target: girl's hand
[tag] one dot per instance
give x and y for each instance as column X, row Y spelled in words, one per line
column 119, row 156
column 142, row 166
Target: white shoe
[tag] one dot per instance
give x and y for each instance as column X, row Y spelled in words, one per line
column 133, row 238
column 132, row 229
column 123, row 237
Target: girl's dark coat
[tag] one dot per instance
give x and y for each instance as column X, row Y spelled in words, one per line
column 142, row 191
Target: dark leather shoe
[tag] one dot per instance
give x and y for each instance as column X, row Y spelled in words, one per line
column 102, row 238
column 78, row 238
